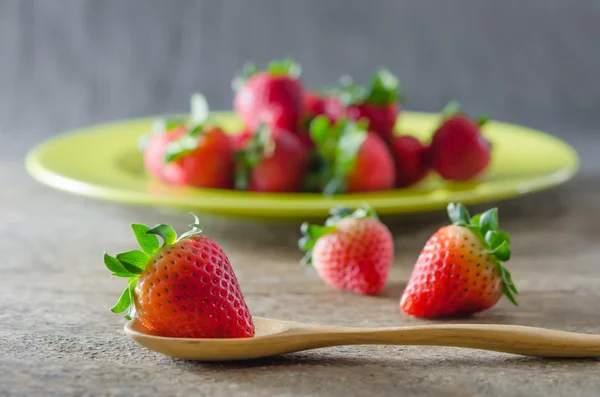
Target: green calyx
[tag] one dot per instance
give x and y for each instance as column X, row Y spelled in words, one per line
column 199, row 114
column 337, row 145
column 454, row 108
column 312, row 233
column 131, row 264
column 284, row 67
column 196, row 127
column 485, row 227
column 260, row 146
column 383, row 89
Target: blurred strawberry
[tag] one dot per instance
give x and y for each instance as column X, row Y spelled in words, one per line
column 458, row 151
column 353, row 251
column 272, row 97
column 353, row 159
column 410, row 156
column 378, row 103
column 272, row 161
column 189, row 152
column 203, row 157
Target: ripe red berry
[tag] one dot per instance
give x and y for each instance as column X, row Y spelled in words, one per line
column 410, row 156
column 273, row 97
column 185, row 288
column 352, row 252
column 458, row 151
column 461, row 268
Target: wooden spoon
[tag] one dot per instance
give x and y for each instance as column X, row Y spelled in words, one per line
column 274, row 337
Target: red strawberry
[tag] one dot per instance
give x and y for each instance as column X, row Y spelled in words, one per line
column 354, row 160
column 353, row 251
column 410, row 156
column 204, row 157
column 458, row 150
column 272, row 162
column 461, row 270
column 272, row 97
column 376, row 103
column 185, row 288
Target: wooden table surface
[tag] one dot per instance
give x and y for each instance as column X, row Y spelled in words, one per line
column 58, row 337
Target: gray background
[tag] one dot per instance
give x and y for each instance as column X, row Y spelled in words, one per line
column 68, row 63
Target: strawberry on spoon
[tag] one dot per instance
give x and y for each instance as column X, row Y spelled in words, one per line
column 461, row 271
column 183, row 288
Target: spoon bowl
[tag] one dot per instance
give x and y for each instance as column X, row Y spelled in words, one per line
column 276, row 337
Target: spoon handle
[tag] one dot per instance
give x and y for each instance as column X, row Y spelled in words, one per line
column 529, row 341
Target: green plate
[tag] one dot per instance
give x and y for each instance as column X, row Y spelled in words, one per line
column 103, row 162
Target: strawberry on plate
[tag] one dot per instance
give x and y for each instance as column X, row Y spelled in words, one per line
column 352, row 158
column 378, row 103
column 458, row 150
column 190, row 152
column 273, row 160
column 203, row 157
column 183, row 288
column 410, row 156
column 352, row 252
column 273, row 96
column 461, row 271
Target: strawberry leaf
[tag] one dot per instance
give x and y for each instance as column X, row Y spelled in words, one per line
column 458, row 214
column 123, row 303
column 261, row 146
column 134, row 260
column 148, row 242
column 483, row 120
column 451, row 109
column 337, row 145
column 248, row 71
column 488, row 221
column 116, row 267
column 131, row 311
column 196, row 229
column 199, row 109
column 350, row 141
column 165, row 232
column 502, row 252
column 286, row 67
column 310, row 236
column 383, row 89
column 181, row 147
